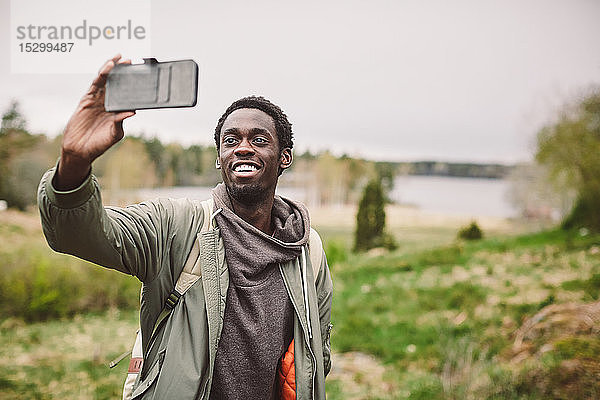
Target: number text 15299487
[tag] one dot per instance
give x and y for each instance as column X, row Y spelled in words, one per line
column 49, row 47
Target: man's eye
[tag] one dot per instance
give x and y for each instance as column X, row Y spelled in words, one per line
column 229, row 140
column 260, row 140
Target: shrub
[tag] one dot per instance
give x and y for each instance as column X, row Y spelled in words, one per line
column 370, row 220
column 470, row 232
column 39, row 285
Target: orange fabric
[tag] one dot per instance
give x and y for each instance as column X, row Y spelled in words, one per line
column 135, row 365
column 287, row 375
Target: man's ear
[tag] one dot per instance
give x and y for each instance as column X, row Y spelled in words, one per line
column 286, row 158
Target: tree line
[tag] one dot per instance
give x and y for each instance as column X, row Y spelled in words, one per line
column 566, row 174
column 147, row 162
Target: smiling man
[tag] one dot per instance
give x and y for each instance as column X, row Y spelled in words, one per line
column 253, row 152
column 255, row 321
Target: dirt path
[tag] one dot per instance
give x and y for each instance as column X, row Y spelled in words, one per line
column 360, row 376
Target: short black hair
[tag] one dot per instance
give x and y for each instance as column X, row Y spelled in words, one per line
column 282, row 125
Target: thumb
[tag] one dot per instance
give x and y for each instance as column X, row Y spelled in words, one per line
column 118, row 131
column 120, row 116
column 118, row 124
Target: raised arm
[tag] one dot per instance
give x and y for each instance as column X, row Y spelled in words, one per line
column 90, row 132
column 74, row 220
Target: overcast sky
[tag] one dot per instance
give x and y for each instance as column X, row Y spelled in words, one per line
column 389, row 80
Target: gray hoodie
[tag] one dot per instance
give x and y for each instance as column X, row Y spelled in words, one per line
column 258, row 321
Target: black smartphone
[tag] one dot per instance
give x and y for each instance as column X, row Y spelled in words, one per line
column 152, row 84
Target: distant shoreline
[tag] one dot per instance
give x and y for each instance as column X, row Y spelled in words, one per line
column 457, row 170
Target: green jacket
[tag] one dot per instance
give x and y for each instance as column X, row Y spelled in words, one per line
column 152, row 241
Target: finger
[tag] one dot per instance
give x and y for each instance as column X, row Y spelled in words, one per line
column 100, row 80
column 120, row 116
column 108, row 65
column 127, row 61
column 118, row 131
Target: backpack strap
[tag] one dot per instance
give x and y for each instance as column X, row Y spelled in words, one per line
column 315, row 251
column 316, row 257
column 191, row 270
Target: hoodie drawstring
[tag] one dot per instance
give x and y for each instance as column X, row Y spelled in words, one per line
column 304, row 266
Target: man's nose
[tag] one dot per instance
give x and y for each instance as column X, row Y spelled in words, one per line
column 244, row 148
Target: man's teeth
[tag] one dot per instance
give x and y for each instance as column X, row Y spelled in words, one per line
column 245, row 168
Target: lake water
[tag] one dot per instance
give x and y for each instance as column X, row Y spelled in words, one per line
column 456, row 196
column 438, row 194
column 203, row 192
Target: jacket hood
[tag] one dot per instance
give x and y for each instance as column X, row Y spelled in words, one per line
column 290, row 219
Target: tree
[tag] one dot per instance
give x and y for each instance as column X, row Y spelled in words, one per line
column 17, row 189
column 330, row 179
column 370, row 219
column 128, row 166
column 156, row 151
column 571, row 149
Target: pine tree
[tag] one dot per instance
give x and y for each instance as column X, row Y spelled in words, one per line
column 370, row 219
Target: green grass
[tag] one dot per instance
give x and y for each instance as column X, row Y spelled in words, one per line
column 438, row 315
column 410, row 308
column 590, row 286
column 568, row 348
column 65, row 358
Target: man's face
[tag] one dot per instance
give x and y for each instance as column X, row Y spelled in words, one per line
column 249, row 155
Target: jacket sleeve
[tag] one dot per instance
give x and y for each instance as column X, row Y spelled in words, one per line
column 126, row 239
column 324, row 287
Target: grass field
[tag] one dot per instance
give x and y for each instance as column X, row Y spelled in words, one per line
column 514, row 316
column 445, row 321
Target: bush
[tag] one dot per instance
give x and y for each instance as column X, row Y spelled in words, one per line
column 39, row 286
column 370, row 220
column 470, row 232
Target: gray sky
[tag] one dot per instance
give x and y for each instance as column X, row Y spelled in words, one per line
column 390, row 80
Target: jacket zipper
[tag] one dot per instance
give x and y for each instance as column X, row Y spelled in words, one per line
column 306, row 339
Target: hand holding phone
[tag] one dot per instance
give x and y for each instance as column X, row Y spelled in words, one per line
column 97, row 123
column 91, row 131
